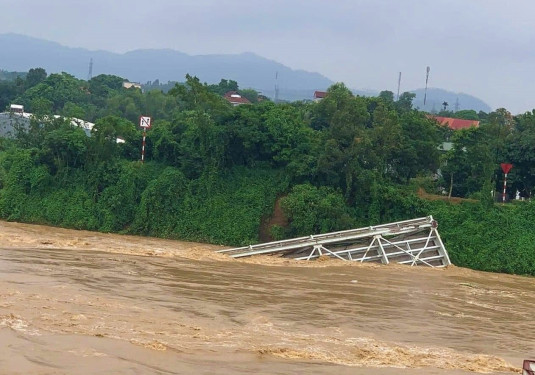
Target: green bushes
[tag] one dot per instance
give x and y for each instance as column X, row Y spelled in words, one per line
column 312, row 210
column 390, row 203
column 118, row 203
column 228, row 209
column 497, row 239
column 161, row 204
column 136, row 198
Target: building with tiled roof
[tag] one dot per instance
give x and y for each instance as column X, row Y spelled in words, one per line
column 456, row 123
column 318, row 95
column 236, row 99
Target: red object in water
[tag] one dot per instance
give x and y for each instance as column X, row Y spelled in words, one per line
column 506, row 167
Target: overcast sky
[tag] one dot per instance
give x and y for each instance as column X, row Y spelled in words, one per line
column 480, row 47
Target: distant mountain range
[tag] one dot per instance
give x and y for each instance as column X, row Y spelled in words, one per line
column 21, row 53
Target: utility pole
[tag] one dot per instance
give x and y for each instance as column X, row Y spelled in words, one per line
column 426, row 80
column 90, row 74
column 399, row 85
column 276, row 87
column 145, row 122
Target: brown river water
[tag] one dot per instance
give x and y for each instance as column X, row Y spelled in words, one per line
column 76, row 302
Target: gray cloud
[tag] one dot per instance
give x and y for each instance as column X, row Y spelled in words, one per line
column 481, row 47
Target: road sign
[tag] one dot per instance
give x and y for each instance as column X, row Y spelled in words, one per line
column 144, row 122
column 506, row 167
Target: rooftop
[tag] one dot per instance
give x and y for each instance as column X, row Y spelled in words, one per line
column 455, row 123
column 10, row 120
column 319, row 94
column 236, row 99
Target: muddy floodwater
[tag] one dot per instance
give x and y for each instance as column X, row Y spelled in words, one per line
column 75, row 302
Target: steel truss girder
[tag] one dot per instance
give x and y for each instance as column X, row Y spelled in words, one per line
column 413, row 242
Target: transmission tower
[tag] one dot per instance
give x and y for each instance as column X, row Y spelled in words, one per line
column 90, row 74
column 426, row 81
column 457, row 104
column 399, row 85
column 276, row 87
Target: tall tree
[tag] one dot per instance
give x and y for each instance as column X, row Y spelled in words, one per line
column 34, row 77
column 404, row 103
column 469, row 166
column 418, row 149
column 387, row 96
column 343, row 119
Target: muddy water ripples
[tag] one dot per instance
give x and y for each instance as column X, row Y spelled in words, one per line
column 77, row 302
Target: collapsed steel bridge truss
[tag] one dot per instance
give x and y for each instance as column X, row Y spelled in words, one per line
column 414, row 242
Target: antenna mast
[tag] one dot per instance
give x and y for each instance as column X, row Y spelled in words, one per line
column 90, row 74
column 426, row 80
column 276, row 87
column 399, row 85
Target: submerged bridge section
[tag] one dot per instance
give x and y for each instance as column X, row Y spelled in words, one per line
column 414, row 242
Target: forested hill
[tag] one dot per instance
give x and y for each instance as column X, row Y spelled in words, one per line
column 20, row 53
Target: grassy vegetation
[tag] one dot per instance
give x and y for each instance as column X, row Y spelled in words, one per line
column 500, row 238
column 145, row 199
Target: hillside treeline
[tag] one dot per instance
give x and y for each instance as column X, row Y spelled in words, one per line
column 213, row 172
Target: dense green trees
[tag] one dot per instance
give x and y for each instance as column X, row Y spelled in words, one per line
column 473, row 164
column 343, row 142
column 8, row 91
column 467, row 114
column 519, row 149
column 316, row 210
column 225, row 86
column 341, row 151
column 213, row 171
column 470, row 163
column 12, row 84
column 34, row 77
column 58, row 89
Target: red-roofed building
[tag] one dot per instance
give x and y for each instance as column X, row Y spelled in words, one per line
column 236, row 99
column 456, row 123
column 318, row 95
